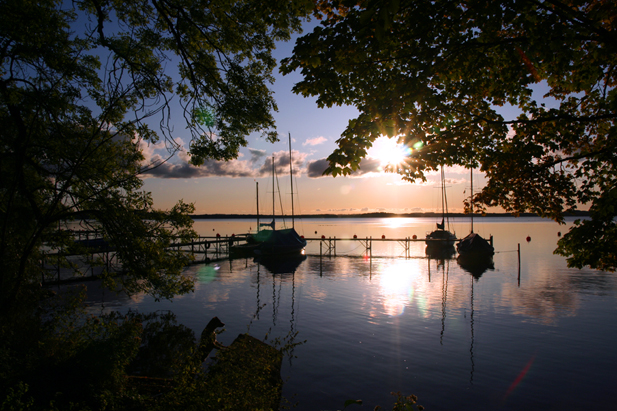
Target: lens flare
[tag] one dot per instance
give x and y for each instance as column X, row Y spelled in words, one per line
column 207, row 274
column 389, row 152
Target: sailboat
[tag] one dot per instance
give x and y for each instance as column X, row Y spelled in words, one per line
column 283, row 242
column 473, row 250
column 441, row 240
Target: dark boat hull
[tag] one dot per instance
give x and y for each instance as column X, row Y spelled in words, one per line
column 474, row 247
column 282, row 242
column 440, row 239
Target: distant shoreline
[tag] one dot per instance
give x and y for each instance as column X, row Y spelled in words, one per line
column 371, row 215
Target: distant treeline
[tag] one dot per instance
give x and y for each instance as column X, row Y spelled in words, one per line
column 374, row 215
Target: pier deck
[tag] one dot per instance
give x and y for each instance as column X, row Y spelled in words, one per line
column 207, row 249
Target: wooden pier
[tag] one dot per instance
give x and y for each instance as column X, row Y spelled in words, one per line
column 327, row 245
column 60, row 266
column 102, row 257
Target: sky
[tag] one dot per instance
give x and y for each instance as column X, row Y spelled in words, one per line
column 230, row 187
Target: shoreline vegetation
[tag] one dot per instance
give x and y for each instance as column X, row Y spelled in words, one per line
column 375, row 215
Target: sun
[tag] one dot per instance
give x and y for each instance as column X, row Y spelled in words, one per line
column 388, row 151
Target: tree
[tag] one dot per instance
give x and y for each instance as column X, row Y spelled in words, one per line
column 84, row 83
column 436, row 76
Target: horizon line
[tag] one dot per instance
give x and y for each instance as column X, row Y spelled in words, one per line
column 379, row 215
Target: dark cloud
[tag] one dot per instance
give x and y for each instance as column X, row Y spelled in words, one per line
column 367, row 165
column 315, row 169
column 256, row 155
column 259, row 165
column 281, row 163
column 235, row 168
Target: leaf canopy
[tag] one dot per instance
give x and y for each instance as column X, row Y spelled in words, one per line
column 446, row 73
column 84, row 83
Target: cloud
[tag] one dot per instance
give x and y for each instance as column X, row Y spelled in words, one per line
column 256, row 155
column 315, row 141
column 157, row 166
column 281, row 164
column 315, row 169
column 234, row 168
column 258, row 165
column 453, row 181
column 368, row 165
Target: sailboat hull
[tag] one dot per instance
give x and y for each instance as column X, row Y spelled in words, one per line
column 440, row 239
column 474, row 246
column 282, row 242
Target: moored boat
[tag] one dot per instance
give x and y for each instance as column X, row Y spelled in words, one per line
column 441, row 237
column 473, row 249
column 280, row 242
column 473, row 246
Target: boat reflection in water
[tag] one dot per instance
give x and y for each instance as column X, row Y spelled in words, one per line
column 286, row 264
column 441, row 252
column 476, row 266
column 475, row 255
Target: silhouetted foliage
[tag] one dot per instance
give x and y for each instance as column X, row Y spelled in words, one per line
column 434, row 75
column 83, row 86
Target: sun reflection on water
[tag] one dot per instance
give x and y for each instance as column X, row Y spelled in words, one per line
column 399, row 283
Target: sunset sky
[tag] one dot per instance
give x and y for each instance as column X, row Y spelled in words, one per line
column 219, row 187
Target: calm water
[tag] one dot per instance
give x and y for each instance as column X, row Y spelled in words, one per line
column 543, row 339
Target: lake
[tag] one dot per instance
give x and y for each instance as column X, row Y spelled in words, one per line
column 535, row 335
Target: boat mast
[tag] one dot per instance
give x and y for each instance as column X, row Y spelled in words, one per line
column 471, row 200
column 257, row 197
column 443, row 194
column 291, row 176
column 273, row 198
column 444, row 200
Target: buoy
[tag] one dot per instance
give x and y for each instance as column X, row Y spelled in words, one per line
column 355, row 236
column 558, row 233
column 383, row 237
column 218, row 235
column 415, row 237
column 233, row 235
column 301, row 236
column 315, row 231
column 528, row 239
column 323, row 237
